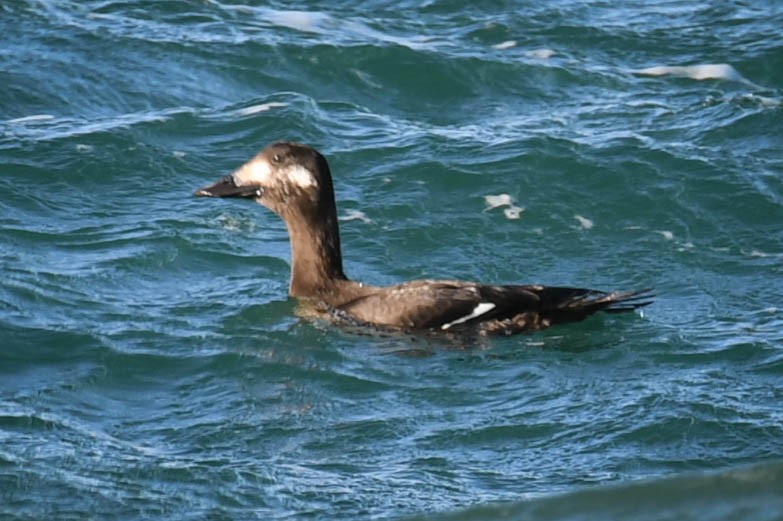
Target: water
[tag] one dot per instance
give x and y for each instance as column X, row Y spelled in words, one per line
column 151, row 366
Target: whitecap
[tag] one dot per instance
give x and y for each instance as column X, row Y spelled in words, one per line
column 355, row 215
column 35, row 118
column 666, row 234
column 305, row 21
column 366, row 78
column 763, row 101
column 508, row 44
column 584, row 222
column 334, row 27
column 261, row 107
column 707, row 71
column 769, row 102
column 235, row 224
column 512, row 211
column 496, row 201
column 541, row 54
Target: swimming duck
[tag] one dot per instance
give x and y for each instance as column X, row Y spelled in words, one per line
column 293, row 180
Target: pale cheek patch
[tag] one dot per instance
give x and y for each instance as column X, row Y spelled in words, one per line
column 480, row 309
column 253, row 173
column 300, row 176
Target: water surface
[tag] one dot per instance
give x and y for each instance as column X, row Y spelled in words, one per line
column 151, row 365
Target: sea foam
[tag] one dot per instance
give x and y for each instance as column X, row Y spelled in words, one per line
column 700, row 72
column 512, row 211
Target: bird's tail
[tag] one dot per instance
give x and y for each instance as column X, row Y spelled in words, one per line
column 561, row 304
column 590, row 301
column 622, row 301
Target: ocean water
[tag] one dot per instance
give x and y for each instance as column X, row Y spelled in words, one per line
column 152, row 367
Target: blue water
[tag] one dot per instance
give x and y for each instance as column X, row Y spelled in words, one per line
column 152, row 367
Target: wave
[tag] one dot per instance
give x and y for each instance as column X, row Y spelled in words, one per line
column 701, row 72
column 749, row 493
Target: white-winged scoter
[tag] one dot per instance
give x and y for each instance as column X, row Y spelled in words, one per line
column 293, row 180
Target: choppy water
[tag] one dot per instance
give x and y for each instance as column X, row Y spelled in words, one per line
column 152, row 367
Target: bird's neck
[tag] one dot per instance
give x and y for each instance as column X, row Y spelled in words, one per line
column 316, row 260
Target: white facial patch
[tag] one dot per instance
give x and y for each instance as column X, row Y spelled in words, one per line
column 261, row 172
column 254, row 172
column 480, row 309
column 300, row 176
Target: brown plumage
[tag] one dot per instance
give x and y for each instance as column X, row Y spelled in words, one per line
column 294, row 181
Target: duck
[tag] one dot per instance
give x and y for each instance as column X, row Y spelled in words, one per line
column 294, row 181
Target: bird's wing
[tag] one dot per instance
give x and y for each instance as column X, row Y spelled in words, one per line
column 445, row 304
column 438, row 304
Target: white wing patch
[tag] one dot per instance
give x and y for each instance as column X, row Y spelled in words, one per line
column 480, row 309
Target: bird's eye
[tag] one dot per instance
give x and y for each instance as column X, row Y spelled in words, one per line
column 276, row 158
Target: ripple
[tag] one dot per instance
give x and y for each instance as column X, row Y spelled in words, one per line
column 152, row 364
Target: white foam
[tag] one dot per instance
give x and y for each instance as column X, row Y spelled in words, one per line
column 584, row 222
column 769, row 102
column 35, row 118
column 513, row 212
column 305, row 21
column 763, row 101
column 334, row 25
column 666, row 234
column 497, row 201
column 366, row 78
column 178, row 154
column 235, row 224
column 262, row 107
column 81, row 147
column 508, row 44
column 708, row 71
column 541, row 54
column 355, row 215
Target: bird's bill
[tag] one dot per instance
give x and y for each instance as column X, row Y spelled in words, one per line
column 227, row 187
